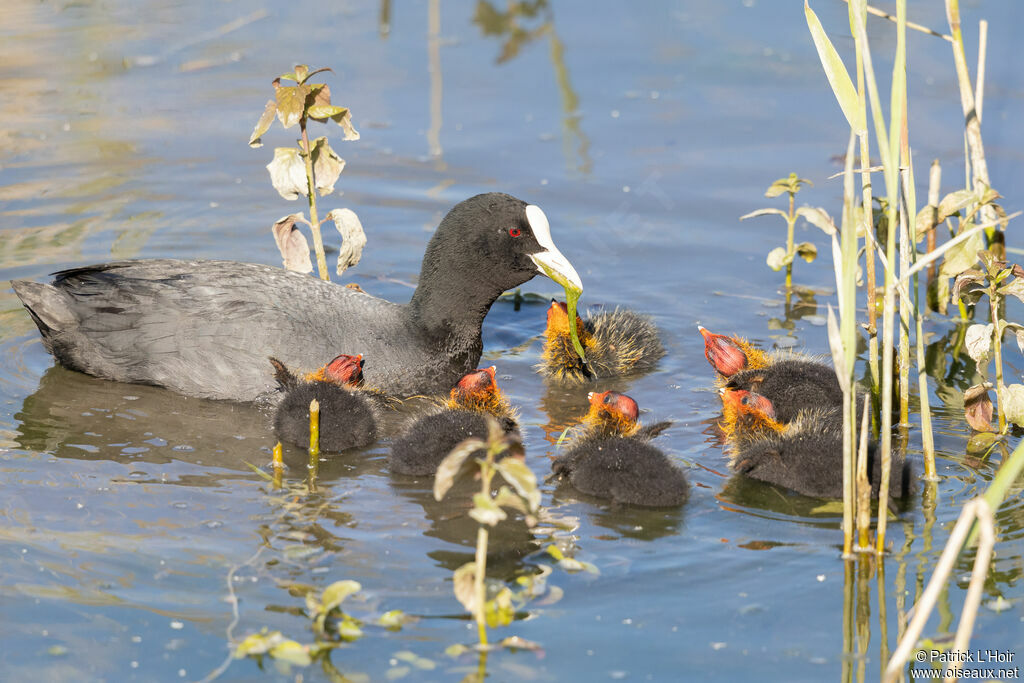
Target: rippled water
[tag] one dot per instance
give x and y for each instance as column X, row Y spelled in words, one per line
column 644, row 131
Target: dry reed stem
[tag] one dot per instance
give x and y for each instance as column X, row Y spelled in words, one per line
column 976, row 509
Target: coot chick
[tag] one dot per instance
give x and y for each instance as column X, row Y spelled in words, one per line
column 791, row 381
column 432, row 437
column 616, row 343
column 805, row 455
column 205, row 328
column 612, row 459
column 347, row 416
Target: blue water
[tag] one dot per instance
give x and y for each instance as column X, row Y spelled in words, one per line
column 644, row 131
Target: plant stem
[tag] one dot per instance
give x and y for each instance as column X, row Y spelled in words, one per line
column 314, row 220
column 277, row 459
column 997, row 343
column 314, row 440
column 480, row 572
column 790, row 223
column 478, row 583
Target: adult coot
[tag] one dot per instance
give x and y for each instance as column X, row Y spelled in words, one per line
column 347, row 415
column 616, row 343
column 205, row 328
column 612, row 458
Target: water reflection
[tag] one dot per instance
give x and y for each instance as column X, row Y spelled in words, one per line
column 521, row 24
column 509, row 542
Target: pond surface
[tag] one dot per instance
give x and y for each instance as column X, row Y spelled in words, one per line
column 644, row 130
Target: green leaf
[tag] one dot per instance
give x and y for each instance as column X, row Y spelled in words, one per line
column 301, row 72
column 336, row 593
column 954, row 202
column 1011, row 400
column 394, row 620
column 835, row 71
column 291, row 652
column 555, row 552
column 764, row 212
column 327, row 166
column 962, row 256
column 979, row 444
column 486, row 511
column 517, row 643
column 819, row 218
column 322, row 112
column 288, row 173
column 263, row 125
column 257, row 644
column 462, row 584
column 978, row 342
column 499, row 611
column 291, row 103
column 456, row 650
column 522, row 479
column 806, row 251
column 349, row 629
column 506, row 499
column 353, row 239
column 451, row 468
column 292, row 244
column 778, row 258
column 790, row 184
column 1014, row 288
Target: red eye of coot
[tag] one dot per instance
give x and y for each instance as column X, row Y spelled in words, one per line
column 515, row 232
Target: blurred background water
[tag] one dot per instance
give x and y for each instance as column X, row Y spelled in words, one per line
column 644, row 130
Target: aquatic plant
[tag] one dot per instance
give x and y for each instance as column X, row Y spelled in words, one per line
column 307, row 168
column 977, row 211
column 780, row 257
column 996, row 280
column 331, row 625
column 499, row 452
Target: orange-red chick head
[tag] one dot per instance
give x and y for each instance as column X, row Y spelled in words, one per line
column 478, row 390
column 558, row 321
column 724, row 353
column 613, row 413
column 746, row 414
column 345, row 369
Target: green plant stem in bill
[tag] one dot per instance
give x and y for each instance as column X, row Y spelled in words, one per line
column 572, row 296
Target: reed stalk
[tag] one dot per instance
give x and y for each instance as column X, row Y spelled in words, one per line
column 314, row 440
column 976, row 509
column 870, row 278
column 863, row 486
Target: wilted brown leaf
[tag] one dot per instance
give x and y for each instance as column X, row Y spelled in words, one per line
column 978, row 407
column 292, row 244
column 353, row 239
column 263, row 125
column 288, row 173
column 462, row 584
column 327, row 166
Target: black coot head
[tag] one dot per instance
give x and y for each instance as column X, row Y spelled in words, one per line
column 495, row 242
